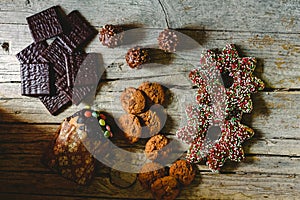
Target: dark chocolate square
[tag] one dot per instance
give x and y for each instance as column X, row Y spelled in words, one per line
column 32, row 52
column 35, row 79
column 46, row 24
column 81, row 33
column 75, row 94
column 57, row 100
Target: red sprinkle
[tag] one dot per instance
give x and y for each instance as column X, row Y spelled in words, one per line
column 87, row 114
column 102, row 116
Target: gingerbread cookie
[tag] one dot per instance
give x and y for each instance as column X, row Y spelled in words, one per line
column 133, row 101
column 131, row 127
column 166, row 188
column 149, row 173
column 183, row 171
column 156, row 148
column 154, row 91
column 153, row 119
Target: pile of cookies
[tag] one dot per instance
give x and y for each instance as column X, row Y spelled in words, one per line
column 145, row 114
column 166, row 184
column 48, row 71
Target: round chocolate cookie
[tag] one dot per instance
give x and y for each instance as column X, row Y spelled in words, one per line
column 183, row 171
column 131, row 127
column 154, row 120
column 154, row 91
column 165, row 188
column 149, row 173
column 156, row 148
column 133, row 101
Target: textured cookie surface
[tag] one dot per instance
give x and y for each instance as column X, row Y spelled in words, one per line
column 154, row 91
column 131, row 127
column 183, row 171
column 149, row 173
column 133, row 100
column 165, row 188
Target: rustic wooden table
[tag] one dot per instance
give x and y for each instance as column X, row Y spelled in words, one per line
column 268, row 30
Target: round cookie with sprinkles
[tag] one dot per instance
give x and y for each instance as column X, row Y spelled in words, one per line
column 154, row 91
column 133, row 101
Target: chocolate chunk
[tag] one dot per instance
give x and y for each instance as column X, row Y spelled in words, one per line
column 32, row 52
column 35, row 79
column 46, row 24
column 55, row 102
column 90, row 70
column 55, row 55
column 76, row 94
column 81, row 33
column 73, row 63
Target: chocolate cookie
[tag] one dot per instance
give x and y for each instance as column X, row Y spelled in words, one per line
column 131, row 127
column 154, row 91
column 156, row 148
column 183, row 171
column 133, row 101
column 149, row 173
column 166, row 188
column 153, row 119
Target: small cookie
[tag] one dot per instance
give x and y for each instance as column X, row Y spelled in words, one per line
column 154, row 91
column 183, row 171
column 156, row 148
column 133, row 101
column 131, row 127
column 149, row 173
column 166, row 188
column 154, row 119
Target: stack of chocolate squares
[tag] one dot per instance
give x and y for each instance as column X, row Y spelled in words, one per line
column 59, row 73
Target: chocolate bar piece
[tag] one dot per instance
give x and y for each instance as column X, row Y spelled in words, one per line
column 75, row 94
column 81, row 33
column 32, row 52
column 57, row 100
column 46, row 24
column 90, row 70
column 73, row 63
column 35, row 79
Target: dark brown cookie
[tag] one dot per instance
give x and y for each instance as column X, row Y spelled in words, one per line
column 131, row 127
column 165, row 188
column 153, row 119
column 149, row 173
column 154, row 91
column 137, row 56
column 183, row 171
column 156, row 148
column 133, row 101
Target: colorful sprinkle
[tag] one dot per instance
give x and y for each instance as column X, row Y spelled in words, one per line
column 107, row 134
column 95, row 114
column 217, row 105
column 102, row 116
column 107, row 127
column 87, row 114
column 102, row 122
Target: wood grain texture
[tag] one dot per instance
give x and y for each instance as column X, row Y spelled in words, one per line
column 268, row 30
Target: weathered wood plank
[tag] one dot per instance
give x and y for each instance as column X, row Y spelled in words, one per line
column 32, row 140
column 205, row 186
column 264, row 16
column 277, row 54
column 275, row 114
column 143, row 13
